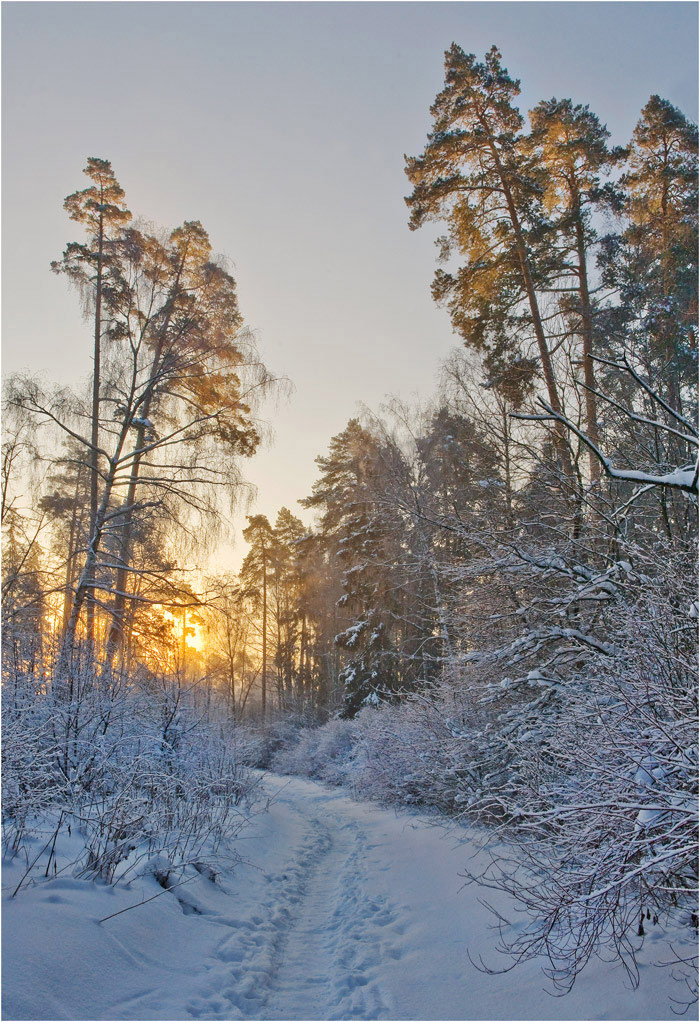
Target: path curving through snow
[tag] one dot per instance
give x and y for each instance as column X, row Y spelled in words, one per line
column 326, row 935
column 340, row 910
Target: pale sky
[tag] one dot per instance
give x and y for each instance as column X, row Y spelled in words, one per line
column 282, row 127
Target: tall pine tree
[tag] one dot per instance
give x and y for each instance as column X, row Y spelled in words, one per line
column 477, row 175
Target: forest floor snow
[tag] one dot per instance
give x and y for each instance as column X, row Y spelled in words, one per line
column 340, row 910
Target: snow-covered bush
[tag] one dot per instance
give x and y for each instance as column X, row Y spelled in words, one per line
column 31, row 784
column 421, row 751
column 134, row 768
column 261, row 740
column 324, row 753
column 601, row 793
column 410, row 754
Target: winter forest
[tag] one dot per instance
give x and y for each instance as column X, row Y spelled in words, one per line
column 463, row 671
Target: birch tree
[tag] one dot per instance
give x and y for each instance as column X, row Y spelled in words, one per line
column 102, row 211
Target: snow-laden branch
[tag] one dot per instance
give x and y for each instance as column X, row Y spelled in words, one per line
column 684, row 478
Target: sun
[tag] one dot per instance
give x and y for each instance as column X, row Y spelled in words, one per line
column 186, row 618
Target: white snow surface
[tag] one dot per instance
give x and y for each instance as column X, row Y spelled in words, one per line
column 342, row 910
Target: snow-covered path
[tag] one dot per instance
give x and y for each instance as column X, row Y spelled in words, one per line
column 317, row 966
column 327, row 935
column 343, row 910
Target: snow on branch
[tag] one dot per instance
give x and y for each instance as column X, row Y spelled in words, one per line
column 684, row 478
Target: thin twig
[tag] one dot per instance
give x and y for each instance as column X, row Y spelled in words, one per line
column 146, row 901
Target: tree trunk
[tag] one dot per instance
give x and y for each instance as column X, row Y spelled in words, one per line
column 264, row 631
column 303, row 693
column 95, row 434
column 560, row 432
column 587, row 338
column 72, row 553
column 86, row 582
column 116, row 630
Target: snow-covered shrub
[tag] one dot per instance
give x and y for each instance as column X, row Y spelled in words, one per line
column 135, row 768
column 179, row 810
column 601, row 795
column 417, row 752
column 264, row 738
column 422, row 751
column 31, row 784
column 324, row 753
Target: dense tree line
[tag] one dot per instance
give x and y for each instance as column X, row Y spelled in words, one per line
column 567, row 424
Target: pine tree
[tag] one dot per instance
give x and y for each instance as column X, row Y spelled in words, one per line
column 320, row 587
column 289, row 612
column 477, row 175
column 362, row 534
column 570, row 145
column 256, row 577
column 659, row 269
